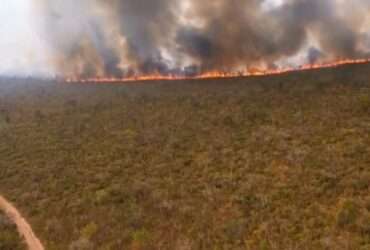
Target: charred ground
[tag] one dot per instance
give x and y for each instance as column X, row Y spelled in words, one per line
column 278, row 162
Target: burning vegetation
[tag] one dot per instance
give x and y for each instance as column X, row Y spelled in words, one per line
column 216, row 74
column 173, row 39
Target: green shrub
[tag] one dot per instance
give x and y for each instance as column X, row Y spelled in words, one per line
column 140, row 238
column 89, row 230
column 364, row 101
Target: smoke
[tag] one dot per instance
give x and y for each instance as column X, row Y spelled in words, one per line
column 116, row 38
column 314, row 55
column 23, row 51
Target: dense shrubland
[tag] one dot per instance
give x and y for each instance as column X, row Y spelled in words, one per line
column 278, row 162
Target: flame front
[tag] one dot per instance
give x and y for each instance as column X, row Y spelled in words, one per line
column 216, row 74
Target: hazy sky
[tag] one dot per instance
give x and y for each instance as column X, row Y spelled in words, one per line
column 21, row 47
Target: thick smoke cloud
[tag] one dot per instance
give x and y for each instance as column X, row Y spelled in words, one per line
column 139, row 37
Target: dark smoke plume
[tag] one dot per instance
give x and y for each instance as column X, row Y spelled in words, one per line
column 140, row 37
column 313, row 55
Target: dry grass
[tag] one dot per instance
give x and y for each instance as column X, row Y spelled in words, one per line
column 260, row 163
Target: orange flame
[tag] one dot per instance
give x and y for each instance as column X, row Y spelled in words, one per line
column 217, row 74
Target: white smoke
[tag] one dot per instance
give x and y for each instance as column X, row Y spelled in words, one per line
column 22, row 49
column 119, row 37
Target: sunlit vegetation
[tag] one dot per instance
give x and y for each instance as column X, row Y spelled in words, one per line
column 264, row 163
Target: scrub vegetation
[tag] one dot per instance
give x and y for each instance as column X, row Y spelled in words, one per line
column 9, row 237
column 275, row 162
